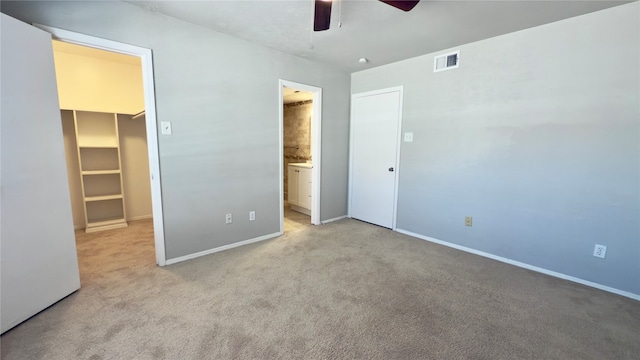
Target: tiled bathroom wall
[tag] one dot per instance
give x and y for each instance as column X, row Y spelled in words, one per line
column 296, row 135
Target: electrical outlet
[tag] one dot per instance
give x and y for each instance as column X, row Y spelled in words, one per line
column 600, row 251
column 228, row 219
column 468, row 221
column 252, row 215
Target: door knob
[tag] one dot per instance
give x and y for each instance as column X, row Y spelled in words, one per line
column 391, row 169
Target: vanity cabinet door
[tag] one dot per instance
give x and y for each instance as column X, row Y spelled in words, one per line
column 304, row 188
column 292, row 195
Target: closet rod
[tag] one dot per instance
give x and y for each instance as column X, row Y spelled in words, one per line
column 292, row 147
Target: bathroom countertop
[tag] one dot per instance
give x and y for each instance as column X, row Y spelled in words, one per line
column 304, row 165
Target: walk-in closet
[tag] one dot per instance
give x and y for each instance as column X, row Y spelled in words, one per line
column 102, row 106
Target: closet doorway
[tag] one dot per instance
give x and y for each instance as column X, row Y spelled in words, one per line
column 300, row 124
column 133, row 122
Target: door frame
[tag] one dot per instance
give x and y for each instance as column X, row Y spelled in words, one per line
column 400, row 90
column 316, row 147
column 146, row 60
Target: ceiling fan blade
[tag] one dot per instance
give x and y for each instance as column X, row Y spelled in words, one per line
column 402, row 5
column 322, row 16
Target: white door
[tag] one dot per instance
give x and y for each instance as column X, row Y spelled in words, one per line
column 39, row 265
column 375, row 126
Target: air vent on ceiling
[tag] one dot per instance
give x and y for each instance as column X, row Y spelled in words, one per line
column 447, row 61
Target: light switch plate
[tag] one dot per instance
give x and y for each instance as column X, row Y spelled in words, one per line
column 166, row 127
column 408, row 137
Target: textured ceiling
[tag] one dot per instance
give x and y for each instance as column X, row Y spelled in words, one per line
column 370, row 28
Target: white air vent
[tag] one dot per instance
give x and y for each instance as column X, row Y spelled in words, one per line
column 447, row 61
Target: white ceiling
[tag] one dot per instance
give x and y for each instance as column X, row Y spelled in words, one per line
column 370, row 28
column 69, row 48
column 290, row 95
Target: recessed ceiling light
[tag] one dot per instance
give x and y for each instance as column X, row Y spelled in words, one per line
column 363, row 60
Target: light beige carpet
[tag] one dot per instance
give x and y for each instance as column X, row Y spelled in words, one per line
column 346, row 290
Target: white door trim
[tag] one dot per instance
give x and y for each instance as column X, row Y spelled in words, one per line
column 400, row 90
column 145, row 56
column 316, row 126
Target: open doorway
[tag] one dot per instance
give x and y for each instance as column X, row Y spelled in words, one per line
column 155, row 225
column 300, row 109
column 298, row 161
column 101, row 97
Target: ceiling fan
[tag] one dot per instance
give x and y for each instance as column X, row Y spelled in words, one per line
column 322, row 16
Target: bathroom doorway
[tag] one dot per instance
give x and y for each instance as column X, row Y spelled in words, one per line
column 300, row 163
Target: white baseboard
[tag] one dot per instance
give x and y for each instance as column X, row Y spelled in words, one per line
column 333, row 219
column 301, row 209
column 221, row 248
column 150, row 216
column 142, row 217
column 524, row 265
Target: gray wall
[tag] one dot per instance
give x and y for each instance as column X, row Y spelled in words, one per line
column 536, row 136
column 135, row 167
column 221, row 95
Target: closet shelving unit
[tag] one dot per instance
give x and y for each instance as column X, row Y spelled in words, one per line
column 100, row 170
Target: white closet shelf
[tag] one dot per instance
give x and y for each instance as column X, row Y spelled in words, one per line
column 98, row 146
column 104, row 197
column 100, row 172
column 99, row 160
